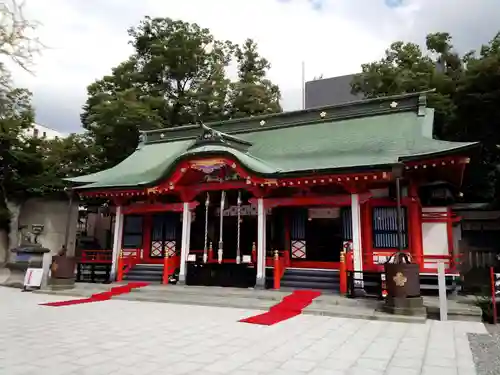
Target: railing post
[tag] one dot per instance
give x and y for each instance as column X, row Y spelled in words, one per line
column 165, row 268
column 343, row 274
column 210, row 252
column 119, row 271
column 277, row 273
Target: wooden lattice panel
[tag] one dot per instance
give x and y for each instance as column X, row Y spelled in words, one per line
column 299, row 249
column 156, row 249
column 170, row 248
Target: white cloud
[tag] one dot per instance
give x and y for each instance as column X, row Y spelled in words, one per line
column 87, row 40
column 89, row 37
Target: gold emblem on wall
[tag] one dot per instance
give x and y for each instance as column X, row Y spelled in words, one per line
column 400, row 279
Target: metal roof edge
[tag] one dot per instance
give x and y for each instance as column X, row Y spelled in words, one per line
column 364, row 107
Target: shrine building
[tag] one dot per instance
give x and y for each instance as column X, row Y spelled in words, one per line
column 220, row 199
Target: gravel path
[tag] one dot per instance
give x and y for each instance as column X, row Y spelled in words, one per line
column 486, row 350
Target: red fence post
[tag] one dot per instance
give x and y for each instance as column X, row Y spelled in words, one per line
column 343, row 274
column 119, row 266
column 493, row 295
column 277, row 273
column 165, row 268
column 210, row 252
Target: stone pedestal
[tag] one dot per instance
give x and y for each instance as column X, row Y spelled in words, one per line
column 27, row 256
column 413, row 306
column 61, row 284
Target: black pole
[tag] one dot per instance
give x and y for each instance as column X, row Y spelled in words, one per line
column 399, row 214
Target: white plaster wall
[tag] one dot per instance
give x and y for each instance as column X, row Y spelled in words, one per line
column 43, row 132
column 434, row 237
column 53, row 215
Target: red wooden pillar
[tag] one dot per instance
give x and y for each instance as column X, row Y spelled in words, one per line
column 119, row 267
column 146, row 236
column 343, row 273
column 415, row 226
column 277, row 270
column 166, row 269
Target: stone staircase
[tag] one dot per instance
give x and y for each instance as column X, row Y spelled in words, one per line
column 301, row 278
column 152, row 273
column 328, row 304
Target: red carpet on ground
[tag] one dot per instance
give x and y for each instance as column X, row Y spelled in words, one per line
column 292, row 305
column 104, row 296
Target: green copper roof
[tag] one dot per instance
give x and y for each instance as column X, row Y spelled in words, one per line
column 362, row 135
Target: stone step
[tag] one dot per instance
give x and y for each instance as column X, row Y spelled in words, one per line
column 141, row 277
column 312, row 277
column 326, row 304
column 307, row 284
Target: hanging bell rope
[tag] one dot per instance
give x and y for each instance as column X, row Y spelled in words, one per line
column 220, row 250
column 205, row 244
column 238, row 234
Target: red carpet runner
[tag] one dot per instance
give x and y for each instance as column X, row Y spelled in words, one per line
column 289, row 307
column 104, row 296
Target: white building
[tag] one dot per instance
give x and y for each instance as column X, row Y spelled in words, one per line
column 44, row 132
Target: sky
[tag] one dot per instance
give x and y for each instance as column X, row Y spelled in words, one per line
column 86, row 38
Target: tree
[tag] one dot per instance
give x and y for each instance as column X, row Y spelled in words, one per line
column 463, row 97
column 16, row 43
column 19, row 157
column 406, row 68
column 176, row 76
column 253, row 94
column 477, row 118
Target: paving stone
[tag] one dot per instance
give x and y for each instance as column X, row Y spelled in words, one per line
column 130, row 337
column 395, row 370
column 439, row 370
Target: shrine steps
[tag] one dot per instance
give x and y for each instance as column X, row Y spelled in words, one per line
column 145, row 272
column 318, row 279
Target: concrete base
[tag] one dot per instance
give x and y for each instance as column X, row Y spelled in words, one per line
column 412, row 306
column 181, row 280
column 61, row 284
column 260, row 283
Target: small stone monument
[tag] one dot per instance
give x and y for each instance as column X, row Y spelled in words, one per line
column 29, row 254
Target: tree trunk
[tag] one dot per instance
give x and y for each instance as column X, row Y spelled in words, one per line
column 4, row 246
column 15, row 211
column 4, row 226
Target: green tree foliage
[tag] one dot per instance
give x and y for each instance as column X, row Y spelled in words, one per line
column 176, row 76
column 406, row 68
column 465, row 97
column 477, row 118
column 20, row 161
column 16, row 151
column 253, row 93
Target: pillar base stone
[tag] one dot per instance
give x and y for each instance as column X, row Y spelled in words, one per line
column 260, row 283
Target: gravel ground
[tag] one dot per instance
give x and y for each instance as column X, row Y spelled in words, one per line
column 486, row 350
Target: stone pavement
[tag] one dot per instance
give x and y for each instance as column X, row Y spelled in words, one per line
column 125, row 337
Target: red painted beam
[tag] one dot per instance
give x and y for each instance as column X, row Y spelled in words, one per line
column 335, row 200
column 156, row 207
